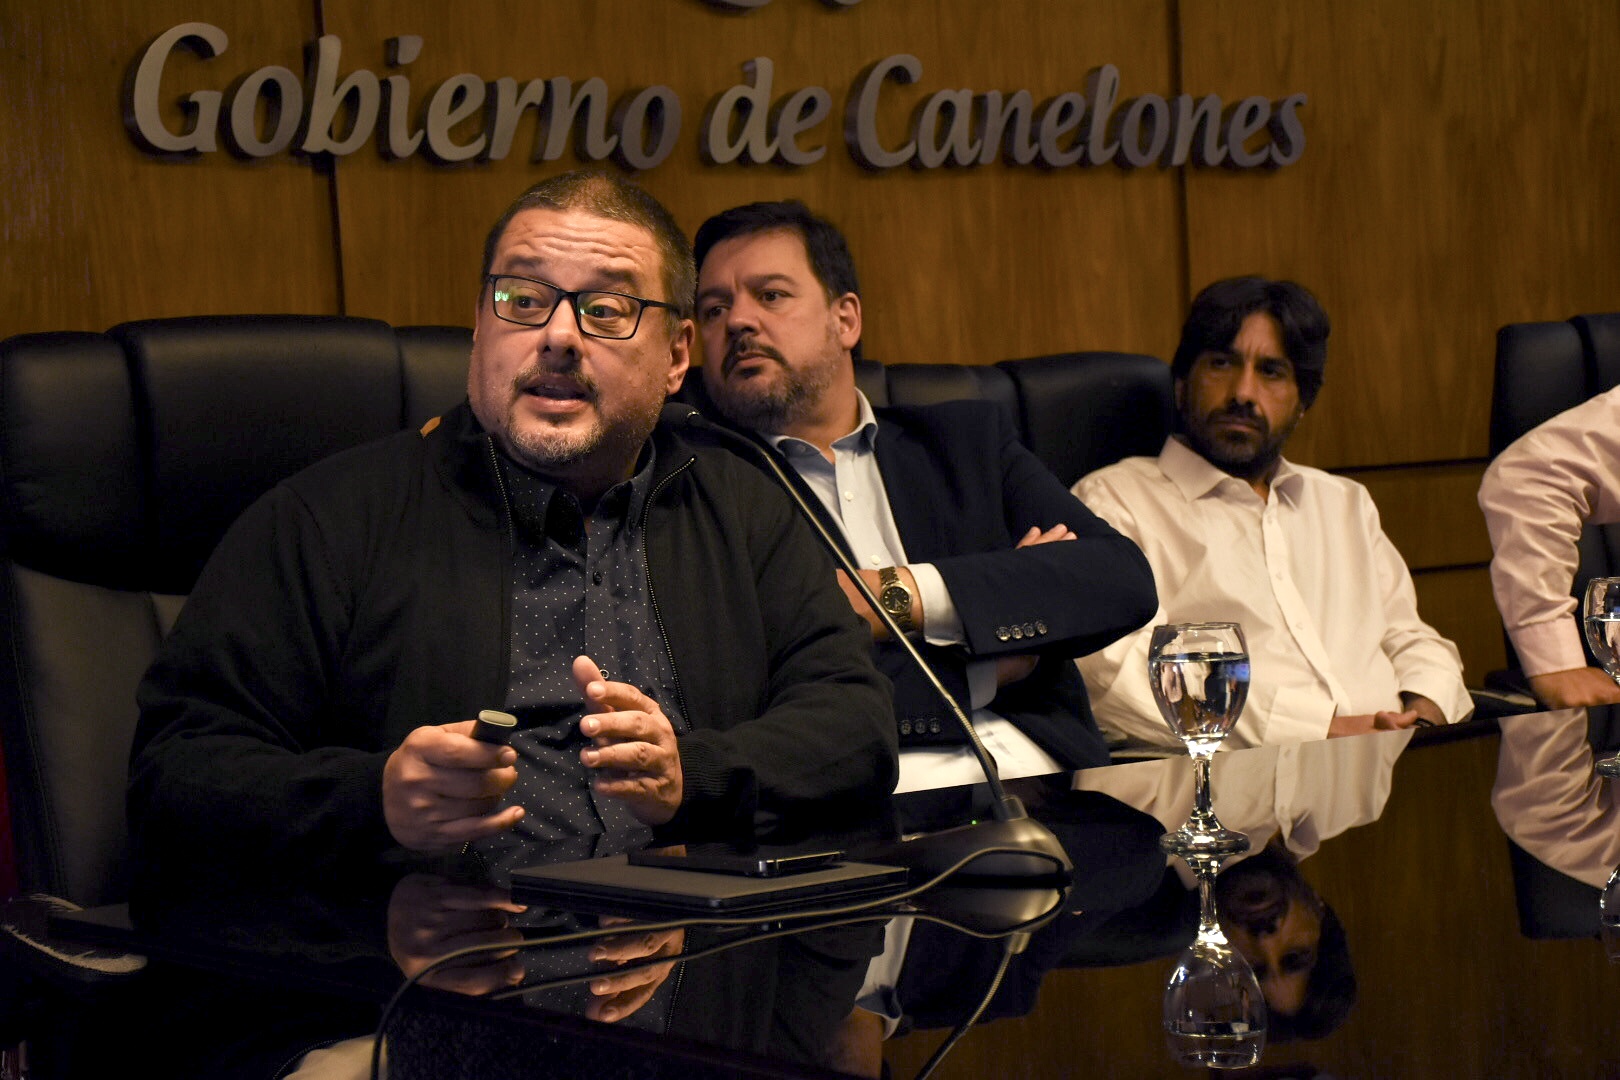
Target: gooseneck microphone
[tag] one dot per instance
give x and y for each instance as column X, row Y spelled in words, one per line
column 1039, row 854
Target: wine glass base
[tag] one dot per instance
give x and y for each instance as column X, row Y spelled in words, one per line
column 1215, row 844
column 1609, row 766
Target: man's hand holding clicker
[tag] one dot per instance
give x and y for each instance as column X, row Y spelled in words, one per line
column 633, row 750
column 440, row 787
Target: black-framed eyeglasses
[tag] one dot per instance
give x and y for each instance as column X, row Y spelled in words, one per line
column 599, row 313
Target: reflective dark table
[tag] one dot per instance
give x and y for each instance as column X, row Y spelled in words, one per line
column 1402, row 842
column 1388, row 837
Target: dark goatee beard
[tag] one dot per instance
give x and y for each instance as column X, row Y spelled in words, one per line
column 775, row 407
column 772, row 411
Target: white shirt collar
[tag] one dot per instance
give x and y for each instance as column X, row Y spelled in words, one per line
column 1195, row 477
column 862, row 436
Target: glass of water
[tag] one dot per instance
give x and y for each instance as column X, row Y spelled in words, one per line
column 1600, row 613
column 1200, row 678
column 1214, row 1011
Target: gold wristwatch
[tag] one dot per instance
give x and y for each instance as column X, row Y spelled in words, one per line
column 896, row 598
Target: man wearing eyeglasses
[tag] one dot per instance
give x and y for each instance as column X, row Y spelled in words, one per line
column 975, row 547
column 663, row 626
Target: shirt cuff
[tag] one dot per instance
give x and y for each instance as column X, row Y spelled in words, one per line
column 1450, row 695
column 942, row 624
column 1550, row 646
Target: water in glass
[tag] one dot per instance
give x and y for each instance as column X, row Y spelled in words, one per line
column 1200, row 694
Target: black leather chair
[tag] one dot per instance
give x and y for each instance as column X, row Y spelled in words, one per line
column 1083, row 410
column 1075, row 411
column 1542, row 369
column 123, row 458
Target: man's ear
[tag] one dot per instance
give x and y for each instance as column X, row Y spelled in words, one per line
column 680, row 354
column 847, row 318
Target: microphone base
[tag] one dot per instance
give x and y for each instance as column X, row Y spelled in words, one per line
column 1038, row 855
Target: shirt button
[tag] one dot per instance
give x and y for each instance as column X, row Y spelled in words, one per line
column 849, row 496
column 877, row 560
column 596, row 578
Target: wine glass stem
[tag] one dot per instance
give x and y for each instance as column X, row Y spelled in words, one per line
column 1209, row 925
column 1202, row 809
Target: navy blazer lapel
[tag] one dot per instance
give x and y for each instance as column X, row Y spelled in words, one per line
column 911, row 482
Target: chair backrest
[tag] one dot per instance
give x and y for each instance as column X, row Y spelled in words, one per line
column 1075, row 411
column 123, row 458
column 1083, row 410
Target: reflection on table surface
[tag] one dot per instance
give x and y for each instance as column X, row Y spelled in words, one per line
column 1395, row 833
column 1376, row 859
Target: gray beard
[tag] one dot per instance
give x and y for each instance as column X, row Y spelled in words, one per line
column 545, row 454
column 551, row 455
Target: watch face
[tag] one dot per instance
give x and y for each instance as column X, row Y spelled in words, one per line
column 896, row 599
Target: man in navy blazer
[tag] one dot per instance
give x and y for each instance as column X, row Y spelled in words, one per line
column 999, row 574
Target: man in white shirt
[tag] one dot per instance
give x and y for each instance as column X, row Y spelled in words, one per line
column 1537, row 495
column 1236, row 533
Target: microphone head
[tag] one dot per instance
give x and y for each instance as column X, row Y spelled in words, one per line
column 680, row 414
column 1016, row 851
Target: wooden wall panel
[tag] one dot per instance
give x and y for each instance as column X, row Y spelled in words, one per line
column 92, row 230
column 1459, row 174
column 1458, row 603
column 970, row 265
column 1431, row 513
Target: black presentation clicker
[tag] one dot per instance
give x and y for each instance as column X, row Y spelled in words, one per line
column 494, row 727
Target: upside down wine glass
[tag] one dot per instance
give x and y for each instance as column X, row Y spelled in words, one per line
column 1601, row 620
column 1200, row 678
column 1609, row 916
column 1214, row 1012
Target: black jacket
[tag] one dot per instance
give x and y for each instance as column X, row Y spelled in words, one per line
column 368, row 596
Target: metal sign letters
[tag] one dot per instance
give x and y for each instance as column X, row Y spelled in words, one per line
column 273, row 110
